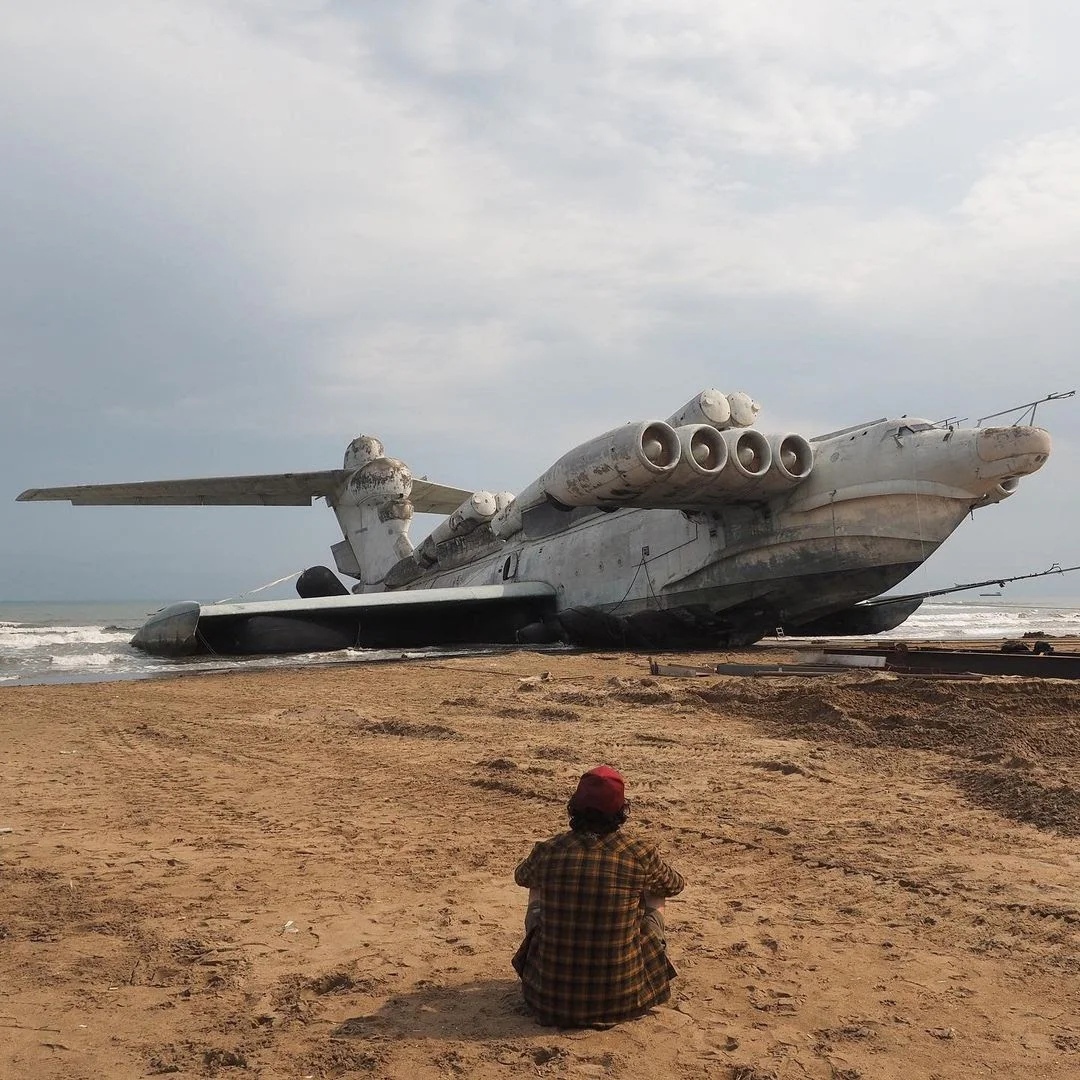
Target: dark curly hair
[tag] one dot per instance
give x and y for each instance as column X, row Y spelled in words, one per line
column 597, row 822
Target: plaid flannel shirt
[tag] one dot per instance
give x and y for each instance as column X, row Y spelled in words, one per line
column 590, row 961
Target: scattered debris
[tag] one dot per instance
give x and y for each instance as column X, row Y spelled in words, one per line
column 680, row 671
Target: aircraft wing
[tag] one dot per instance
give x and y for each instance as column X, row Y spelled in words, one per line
column 409, row 618
column 266, row 489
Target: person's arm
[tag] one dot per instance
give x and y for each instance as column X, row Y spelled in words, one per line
column 527, row 873
column 661, row 880
column 534, row 913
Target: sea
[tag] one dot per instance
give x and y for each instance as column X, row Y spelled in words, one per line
column 90, row 642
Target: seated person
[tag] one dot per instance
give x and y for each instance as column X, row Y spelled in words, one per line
column 594, row 949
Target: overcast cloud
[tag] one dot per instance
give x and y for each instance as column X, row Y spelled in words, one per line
column 233, row 235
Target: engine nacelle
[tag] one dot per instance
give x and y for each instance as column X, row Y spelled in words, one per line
column 704, row 454
column 614, row 469
column 793, row 457
column 792, row 463
column 748, row 460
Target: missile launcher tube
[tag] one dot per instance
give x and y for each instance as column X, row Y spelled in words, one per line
column 744, row 409
column 718, row 410
column 709, row 407
column 478, row 508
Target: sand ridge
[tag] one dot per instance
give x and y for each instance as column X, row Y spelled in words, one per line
column 307, row 873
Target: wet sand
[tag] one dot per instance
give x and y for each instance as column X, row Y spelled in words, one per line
column 308, row 873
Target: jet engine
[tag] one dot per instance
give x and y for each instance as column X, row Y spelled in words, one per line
column 748, row 461
column 761, row 465
column 611, row 470
column 704, row 455
column 614, row 469
column 792, row 463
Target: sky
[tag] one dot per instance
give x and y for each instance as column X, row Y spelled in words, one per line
column 235, row 235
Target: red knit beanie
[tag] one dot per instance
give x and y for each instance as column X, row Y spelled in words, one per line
column 600, row 789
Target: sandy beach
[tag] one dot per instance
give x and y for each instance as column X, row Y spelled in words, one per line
column 308, row 873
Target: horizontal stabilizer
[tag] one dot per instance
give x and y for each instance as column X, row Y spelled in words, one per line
column 429, row 498
column 270, row 489
column 267, row 489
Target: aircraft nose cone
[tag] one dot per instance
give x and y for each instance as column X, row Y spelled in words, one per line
column 1026, row 447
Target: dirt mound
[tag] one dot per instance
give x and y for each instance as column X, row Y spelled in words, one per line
column 1022, row 797
column 639, row 692
column 412, row 731
column 588, row 698
column 1033, row 719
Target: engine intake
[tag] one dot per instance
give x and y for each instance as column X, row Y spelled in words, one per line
column 704, row 455
column 792, row 462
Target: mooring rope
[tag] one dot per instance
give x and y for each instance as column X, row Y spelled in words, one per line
column 268, row 585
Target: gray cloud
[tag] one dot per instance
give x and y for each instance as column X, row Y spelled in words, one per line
column 235, row 235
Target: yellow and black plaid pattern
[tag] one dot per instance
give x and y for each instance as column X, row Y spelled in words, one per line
column 590, row 961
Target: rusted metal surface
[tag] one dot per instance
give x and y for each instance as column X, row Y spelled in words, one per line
column 680, row 671
column 1057, row 665
column 798, row 669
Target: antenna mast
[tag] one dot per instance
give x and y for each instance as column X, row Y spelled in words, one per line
column 1027, row 412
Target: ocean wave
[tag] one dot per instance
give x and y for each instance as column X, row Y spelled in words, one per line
column 32, row 637
column 77, row 661
column 959, row 621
